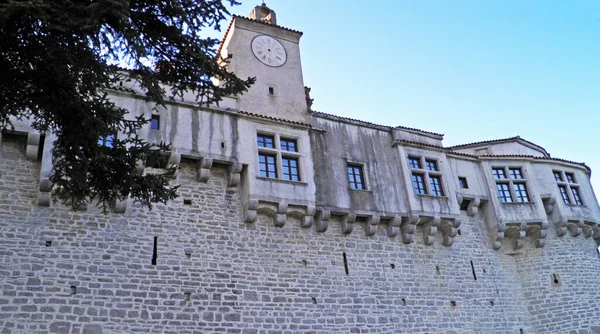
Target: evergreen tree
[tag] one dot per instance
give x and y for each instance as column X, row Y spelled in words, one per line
column 57, row 60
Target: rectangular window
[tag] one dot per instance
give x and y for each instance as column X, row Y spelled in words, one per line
column 267, row 167
column 288, row 145
column 419, row 184
column 521, row 192
column 436, row 185
column 515, row 173
column 106, row 141
column 155, row 122
column 355, row 177
column 290, row 169
column 462, row 181
column 499, row 173
column 557, row 176
column 570, row 177
column 431, row 165
column 576, row 196
column 504, row 193
column 265, row 141
column 564, row 195
column 414, row 162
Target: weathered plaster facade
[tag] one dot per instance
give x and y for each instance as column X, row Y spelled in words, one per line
column 238, row 252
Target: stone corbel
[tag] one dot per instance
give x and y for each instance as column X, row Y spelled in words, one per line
column 408, row 228
column 33, row 146
column 539, row 232
column 589, row 229
column 45, row 188
column 322, row 220
column 575, row 227
column 280, row 215
column 561, row 227
column 234, row 174
column 549, row 205
column 203, row 172
column 251, row 211
column 518, row 232
column 347, row 223
column 498, row 236
column 371, row 224
column 393, row 226
column 309, row 218
column 430, row 229
column 449, row 229
column 474, row 204
column 596, row 234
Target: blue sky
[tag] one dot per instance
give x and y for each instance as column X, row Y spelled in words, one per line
column 472, row 70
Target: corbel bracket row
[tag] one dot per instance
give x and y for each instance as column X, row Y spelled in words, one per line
column 474, row 204
column 447, row 226
column 517, row 231
column 279, row 213
column 233, row 175
column 576, row 227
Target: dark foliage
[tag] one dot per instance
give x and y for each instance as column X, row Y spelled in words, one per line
column 57, row 60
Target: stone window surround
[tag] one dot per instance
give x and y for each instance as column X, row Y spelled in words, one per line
column 511, row 181
column 365, row 178
column 426, row 174
column 279, row 153
column 569, row 186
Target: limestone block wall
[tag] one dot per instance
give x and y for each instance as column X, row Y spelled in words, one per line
column 86, row 272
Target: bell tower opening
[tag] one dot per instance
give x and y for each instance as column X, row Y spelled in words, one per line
column 264, row 13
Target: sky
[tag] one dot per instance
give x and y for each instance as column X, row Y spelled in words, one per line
column 472, row 70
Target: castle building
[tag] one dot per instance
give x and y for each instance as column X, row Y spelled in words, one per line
column 291, row 220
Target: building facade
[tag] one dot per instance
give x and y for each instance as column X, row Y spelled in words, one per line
column 291, row 220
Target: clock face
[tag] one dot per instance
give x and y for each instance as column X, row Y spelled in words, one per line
column 269, row 51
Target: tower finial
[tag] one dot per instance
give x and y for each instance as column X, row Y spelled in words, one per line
column 263, row 13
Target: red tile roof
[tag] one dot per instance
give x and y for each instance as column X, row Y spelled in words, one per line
column 282, row 120
column 516, row 138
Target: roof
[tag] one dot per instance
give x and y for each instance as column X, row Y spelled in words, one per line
column 509, row 139
column 282, row 120
column 369, row 124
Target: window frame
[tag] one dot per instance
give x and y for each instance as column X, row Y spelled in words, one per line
column 271, row 144
column 568, row 182
column 513, row 181
column 154, row 118
column 462, row 179
column 351, row 175
column 426, row 168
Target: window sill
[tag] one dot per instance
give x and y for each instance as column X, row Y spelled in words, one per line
column 299, row 183
column 513, row 203
column 575, row 205
column 361, row 190
column 432, row 196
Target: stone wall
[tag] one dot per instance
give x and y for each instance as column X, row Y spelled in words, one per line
column 87, row 272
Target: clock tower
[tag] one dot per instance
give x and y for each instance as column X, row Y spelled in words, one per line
column 271, row 53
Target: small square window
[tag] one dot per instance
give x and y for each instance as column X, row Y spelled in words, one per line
column 499, row 173
column 464, row 205
column 462, row 181
column 414, row 162
column 557, row 176
column 288, row 145
column 570, row 177
column 515, row 173
column 155, row 122
column 355, row 177
column 265, row 141
column 271, row 91
column 431, row 165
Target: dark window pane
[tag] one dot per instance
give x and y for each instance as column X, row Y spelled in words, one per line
column 564, row 195
column 576, row 196
column 290, row 169
column 288, row 145
column 515, row 173
column 265, row 141
column 266, row 166
column 570, row 177
column 436, row 186
column 504, row 193
column 499, row 173
column 557, row 176
column 414, row 162
column 419, row 184
column 521, row 192
column 463, row 182
column 431, row 165
column 155, row 122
